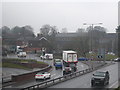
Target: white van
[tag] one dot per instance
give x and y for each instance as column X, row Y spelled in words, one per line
column 22, row 54
column 47, row 56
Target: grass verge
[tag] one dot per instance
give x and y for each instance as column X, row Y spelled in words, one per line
column 11, row 65
column 22, row 63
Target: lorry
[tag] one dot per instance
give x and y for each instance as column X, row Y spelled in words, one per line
column 22, row 54
column 58, row 63
column 70, row 60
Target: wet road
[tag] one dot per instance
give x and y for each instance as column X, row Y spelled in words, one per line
column 54, row 73
column 84, row 81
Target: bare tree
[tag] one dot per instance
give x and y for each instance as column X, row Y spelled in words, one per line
column 45, row 29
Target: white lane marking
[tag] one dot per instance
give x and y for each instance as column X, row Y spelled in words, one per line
column 114, row 84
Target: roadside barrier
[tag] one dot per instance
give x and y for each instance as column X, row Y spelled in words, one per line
column 19, row 78
column 51, row 82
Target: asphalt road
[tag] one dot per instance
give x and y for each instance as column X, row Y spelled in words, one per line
column 54, row 73
column 84, row 81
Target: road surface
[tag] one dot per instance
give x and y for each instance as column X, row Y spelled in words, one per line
column 84, row 81
column 54, row 73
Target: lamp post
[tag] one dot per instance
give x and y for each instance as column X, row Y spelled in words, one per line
column 92, row 28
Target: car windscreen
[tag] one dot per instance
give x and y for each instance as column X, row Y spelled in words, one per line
column 58, row 62
column 100, row 74
column 41, row 73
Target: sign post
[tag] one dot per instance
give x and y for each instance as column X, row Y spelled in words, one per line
column 101, row 54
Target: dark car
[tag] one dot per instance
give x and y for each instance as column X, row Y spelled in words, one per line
column 67, row 70
column 100, row 77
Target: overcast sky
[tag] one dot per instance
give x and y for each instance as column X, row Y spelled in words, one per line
column 65, row 14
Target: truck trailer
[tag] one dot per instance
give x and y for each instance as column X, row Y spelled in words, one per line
column 70, row 60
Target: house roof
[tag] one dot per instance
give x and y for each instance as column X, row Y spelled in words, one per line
column 43, row 38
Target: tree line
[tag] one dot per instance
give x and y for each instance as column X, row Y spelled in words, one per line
column 92, row 37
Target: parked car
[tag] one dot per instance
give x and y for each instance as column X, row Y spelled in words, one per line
column 100, row 77
column 111, row 53
column 117, row 59
column 82, row 59
column 43, row 75
column 22, row 54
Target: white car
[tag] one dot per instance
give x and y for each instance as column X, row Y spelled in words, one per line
column 43, row 75
column 22, row 54
column 47, row 56
column 117, row 59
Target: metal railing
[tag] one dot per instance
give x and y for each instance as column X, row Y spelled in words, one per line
column 51, row 82
column 8, row 80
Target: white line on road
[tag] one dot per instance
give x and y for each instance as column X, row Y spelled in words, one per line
column 114, row 85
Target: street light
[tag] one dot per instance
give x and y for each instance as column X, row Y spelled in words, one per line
column 92, row 27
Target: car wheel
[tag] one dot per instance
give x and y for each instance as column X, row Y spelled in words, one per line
column 92, row 85
column 49, row 76
column 63, row 72
column 56, row 68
